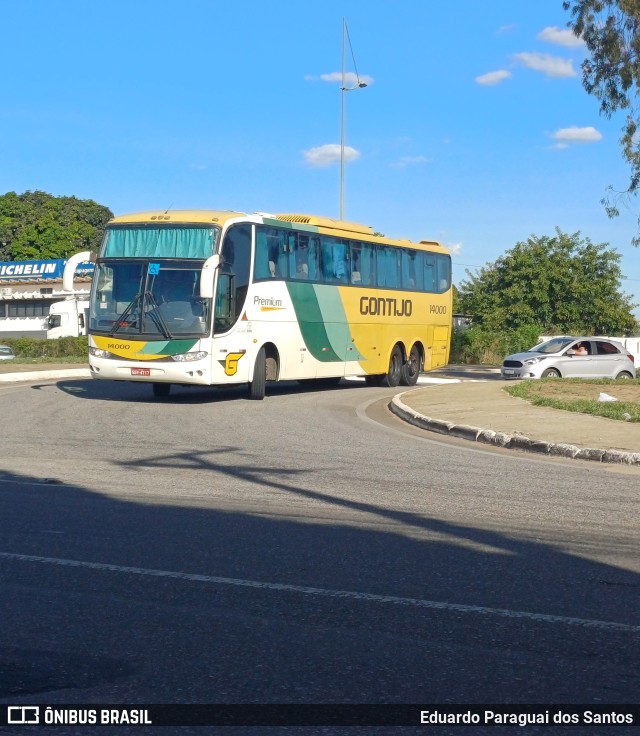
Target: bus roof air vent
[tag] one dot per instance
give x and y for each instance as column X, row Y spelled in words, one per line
column 326, row 222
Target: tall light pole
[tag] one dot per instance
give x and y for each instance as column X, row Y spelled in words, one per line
column 344, row 89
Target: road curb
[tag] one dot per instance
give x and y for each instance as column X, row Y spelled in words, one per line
column 510, row 441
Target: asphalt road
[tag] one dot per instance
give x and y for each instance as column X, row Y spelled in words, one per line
column 310, row 548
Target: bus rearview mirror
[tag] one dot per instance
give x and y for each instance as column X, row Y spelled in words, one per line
column 208, row 275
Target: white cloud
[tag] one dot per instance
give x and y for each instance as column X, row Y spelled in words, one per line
column 574, row 134
column 552, row 66
column 411, row 161
column 350, row 78
column 562, row 37
column 454, row 248
column 491, row 78
column 322, row 156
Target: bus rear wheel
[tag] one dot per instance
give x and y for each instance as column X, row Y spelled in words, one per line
column 411, row 369
column 393, row 375
column 257, row 386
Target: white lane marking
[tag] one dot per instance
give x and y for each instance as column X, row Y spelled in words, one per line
column 327, row 593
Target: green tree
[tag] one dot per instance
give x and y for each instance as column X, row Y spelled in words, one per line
column 610, row 29
column 38, row 225
column 560, row 284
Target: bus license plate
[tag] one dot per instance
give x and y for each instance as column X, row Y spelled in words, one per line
column 141, row 371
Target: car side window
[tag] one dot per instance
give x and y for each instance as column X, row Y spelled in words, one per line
column 606, row 348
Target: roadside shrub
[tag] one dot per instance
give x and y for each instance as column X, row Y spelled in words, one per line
column 65, row 347
column 480, row 346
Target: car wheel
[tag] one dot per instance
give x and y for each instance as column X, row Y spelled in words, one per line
column 624, row 374
column 551, row 373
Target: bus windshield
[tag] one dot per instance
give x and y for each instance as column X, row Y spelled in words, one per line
column 153, row 299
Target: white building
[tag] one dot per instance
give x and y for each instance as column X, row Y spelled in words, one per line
column 27, row 291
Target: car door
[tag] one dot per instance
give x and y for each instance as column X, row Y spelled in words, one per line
column 607, row 360
column 575, row 366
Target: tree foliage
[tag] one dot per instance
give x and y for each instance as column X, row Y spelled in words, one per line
column 560, row 284
column 37, row 225
column 610, row 29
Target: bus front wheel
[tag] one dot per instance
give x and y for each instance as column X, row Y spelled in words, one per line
column 258, row 384
column 393, row 375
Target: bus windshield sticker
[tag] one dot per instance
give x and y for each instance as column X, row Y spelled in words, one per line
column 154, row 269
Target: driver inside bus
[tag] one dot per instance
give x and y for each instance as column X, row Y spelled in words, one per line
column 177, row 303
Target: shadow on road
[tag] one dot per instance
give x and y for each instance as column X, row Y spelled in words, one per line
column 145, row 602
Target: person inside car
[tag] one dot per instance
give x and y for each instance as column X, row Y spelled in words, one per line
column 580, row 349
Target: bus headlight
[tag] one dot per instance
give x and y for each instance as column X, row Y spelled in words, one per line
column 189, row 357
column 98, row 353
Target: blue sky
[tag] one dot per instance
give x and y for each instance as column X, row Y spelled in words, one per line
column 474, row 128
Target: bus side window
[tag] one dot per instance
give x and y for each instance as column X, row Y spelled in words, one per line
column 340, row 265
column 411, row 272
column 314, row 258
column 261, row 268
column 274, row 250
column 301, row 256
column 430, row 272
column 443, row 265
column 367, row 265
column 355, row 254
column 387, row 267
column 326, row 260
column 271, row 253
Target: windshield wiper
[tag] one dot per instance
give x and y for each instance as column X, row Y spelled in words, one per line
column 121, row 321
column 156, row 316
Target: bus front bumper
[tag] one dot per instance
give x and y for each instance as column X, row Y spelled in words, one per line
column 196, row 373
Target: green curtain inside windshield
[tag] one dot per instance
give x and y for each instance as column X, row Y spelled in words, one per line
column 159, row 242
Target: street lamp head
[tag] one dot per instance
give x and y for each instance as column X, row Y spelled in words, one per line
column 362, row 84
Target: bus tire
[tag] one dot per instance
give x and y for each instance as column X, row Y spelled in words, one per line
column 161, row 390
column 392, row 377
column 411, row 369
column 257, row 385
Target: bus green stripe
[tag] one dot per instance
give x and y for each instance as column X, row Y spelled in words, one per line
column 167, row 347
column 336, row 322
column 310, row 319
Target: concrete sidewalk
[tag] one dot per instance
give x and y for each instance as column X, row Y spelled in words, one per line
column 481, row 411
column 11, row 372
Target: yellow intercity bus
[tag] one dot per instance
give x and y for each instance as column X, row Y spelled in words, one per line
column 216, row 298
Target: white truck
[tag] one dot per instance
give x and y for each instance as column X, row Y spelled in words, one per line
column 68, row 318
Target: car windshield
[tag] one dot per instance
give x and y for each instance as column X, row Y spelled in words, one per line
column 552, row 346
column 5, row 350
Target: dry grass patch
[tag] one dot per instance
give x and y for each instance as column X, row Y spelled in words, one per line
column 582, row 396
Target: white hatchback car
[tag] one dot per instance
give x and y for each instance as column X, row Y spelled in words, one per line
column 561, row 358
